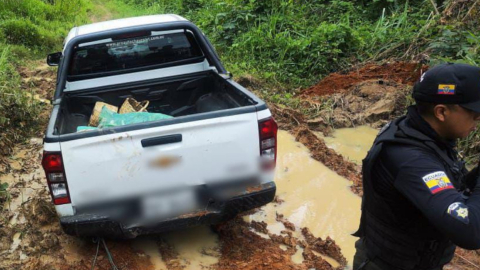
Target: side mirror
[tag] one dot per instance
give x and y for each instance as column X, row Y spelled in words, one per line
column 53, row 59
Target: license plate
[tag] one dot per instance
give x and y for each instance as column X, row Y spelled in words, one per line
column 169, row 204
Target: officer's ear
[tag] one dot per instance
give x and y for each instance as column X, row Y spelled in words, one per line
column 441, row 111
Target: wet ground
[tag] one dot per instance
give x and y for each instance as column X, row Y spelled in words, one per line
column 309, row 196
column 308, row 226
column 352, row 143
column 315, row 197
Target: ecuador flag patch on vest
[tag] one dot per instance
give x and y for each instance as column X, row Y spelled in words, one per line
column 437, row 182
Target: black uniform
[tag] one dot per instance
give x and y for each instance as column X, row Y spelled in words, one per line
column 415, row 207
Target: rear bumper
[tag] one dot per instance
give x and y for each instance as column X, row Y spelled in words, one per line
column 95, row 225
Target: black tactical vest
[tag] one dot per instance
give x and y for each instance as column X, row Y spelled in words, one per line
column 386, row 242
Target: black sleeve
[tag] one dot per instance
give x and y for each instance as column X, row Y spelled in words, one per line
column 421, row 178
column 471, row 178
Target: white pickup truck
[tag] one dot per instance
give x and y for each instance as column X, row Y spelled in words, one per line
column 215, row 156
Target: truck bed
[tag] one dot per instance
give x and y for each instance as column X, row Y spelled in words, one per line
column 177, row 97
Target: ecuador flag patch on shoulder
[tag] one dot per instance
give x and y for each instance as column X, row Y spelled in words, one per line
column 437, row 182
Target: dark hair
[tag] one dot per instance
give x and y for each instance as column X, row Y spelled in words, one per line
column 426, row 108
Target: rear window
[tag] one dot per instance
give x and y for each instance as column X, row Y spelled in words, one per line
column 122, row 55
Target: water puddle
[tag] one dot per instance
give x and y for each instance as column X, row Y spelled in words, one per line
column 297, row 258
column 197, row 247
column 314, row 197
column 352, row 143
column 150, row 248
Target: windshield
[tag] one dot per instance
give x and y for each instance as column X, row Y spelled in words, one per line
column 133, row 53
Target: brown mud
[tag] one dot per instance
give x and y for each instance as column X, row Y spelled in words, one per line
column 399, row 72
column 33, row 239
column 372, row 95
column 295, row 122
column 243, row 249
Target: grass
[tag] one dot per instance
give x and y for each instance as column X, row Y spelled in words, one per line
column 29, row 29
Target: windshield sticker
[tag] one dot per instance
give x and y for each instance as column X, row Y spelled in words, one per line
column 133, row 41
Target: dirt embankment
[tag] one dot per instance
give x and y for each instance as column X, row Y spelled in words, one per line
column 373, row 95
column 398, row 72
column 372, row 102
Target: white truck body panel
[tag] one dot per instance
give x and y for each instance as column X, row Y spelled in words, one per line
column 115, row 166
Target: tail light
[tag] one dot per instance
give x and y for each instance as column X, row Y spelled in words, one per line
column 268, row 143
column 57, row 182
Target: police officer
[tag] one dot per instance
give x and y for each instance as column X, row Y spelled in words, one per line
column 419, row 202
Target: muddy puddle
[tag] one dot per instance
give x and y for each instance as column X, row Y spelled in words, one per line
column 314, row 197
column 195, row 248
column 352, row 143
column 310, row 196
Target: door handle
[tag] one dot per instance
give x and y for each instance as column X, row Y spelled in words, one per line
column 162, row 140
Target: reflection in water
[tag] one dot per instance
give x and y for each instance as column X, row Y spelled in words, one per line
column 352, row 143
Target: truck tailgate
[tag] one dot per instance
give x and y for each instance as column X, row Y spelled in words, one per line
column 157, row 159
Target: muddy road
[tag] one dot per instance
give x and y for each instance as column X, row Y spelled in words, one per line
column 308, row 226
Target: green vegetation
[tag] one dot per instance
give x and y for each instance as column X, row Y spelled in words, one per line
column 39, row 26
column 287, row 44
column 297, row 42
column 4, row 195
column 29, row 29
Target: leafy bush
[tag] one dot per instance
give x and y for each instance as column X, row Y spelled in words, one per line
column 22, row 32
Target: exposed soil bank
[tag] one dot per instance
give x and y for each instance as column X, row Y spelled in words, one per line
column 399, row 72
